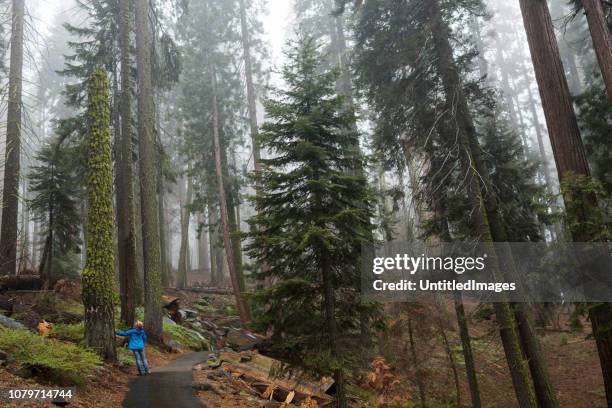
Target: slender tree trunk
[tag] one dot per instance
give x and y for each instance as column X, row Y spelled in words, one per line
column 148, row 184
column 519, row 369
column 568, row 151
column 223, row 206
column 124, row 186
column 449, row 353
column 10, row 194
column 602, row 43
column 466, row 346
column 417, row 365
column 99, row 274
column 252, row 108
column 163, row 232
column 329, row 306
column 213, row 244
column 183, row 250
column 203, row 248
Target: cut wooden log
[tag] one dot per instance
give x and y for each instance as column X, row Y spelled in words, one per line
column 271, row 378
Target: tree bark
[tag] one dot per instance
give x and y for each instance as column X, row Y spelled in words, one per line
column 223, row 206
column 203, row 248
column 10, row 194
column 184, row 248
column 451, row 357
column 468, row 356
column 98, row 277
column 419, row 378
column 568, row 151
column 602, row 43
column 329, row 311
column 148, row 172
column 124, row 180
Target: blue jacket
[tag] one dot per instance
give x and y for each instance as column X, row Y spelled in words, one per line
column 137, row 338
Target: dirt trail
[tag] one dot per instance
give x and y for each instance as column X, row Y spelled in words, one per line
column 167, row 386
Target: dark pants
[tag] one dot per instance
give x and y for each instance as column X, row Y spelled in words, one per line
column 141, row 361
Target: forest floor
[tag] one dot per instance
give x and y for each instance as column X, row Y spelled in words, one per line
column 572, row 359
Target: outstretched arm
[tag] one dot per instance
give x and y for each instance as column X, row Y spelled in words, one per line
column 125, row 333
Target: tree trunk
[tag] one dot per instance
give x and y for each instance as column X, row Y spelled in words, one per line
column 329, row 311
column 451, row 357
column 602, row 43
column 148, row 193
column 124, row 186
column 419, row 378
column 203, row 249
column 98, row 277
column 183, row 250
column 568, row 151
column 519, row 369
column 10, row 194
column 223, row 206
column 468, row 356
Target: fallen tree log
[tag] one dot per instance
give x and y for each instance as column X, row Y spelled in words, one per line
column 20, row 282
column 263, row 374
column 210, row 290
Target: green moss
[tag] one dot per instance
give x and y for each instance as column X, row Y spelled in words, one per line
column 57, row 361
column 99, row 275
column 185, row 337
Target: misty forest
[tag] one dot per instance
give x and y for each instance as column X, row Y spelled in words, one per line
column 214, row 169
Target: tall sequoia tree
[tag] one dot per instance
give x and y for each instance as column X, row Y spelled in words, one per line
column 148, row 173
column 10, row 194
column 99, row 274
column 569, row 154
column 235, row 277
column 602, row 42
column 126, row 234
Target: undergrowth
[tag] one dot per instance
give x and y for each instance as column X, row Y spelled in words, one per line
column 49, row 359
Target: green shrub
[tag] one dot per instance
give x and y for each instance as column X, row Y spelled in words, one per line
column 68, row 332
column 51, row 359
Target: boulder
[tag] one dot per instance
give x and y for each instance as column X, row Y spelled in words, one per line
column 242, row 340
column 11, row 323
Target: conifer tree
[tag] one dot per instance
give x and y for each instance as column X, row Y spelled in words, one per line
column 54, row 204
column 311, row 220
column 99, row 274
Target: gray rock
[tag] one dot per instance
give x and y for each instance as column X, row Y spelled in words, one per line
column 11, row 323
column 3, row 355
column 169, row 321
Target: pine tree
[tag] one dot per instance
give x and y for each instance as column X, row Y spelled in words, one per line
column 55, row 189
column 99, row 275
column 311, row 220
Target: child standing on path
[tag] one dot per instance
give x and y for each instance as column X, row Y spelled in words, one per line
column 138, row 337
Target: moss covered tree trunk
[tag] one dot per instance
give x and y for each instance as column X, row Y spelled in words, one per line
column 126, row 235
column 148, row 173
column 10, row 193
column 99, row 274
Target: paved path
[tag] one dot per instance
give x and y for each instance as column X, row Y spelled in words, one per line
column 167, row 386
